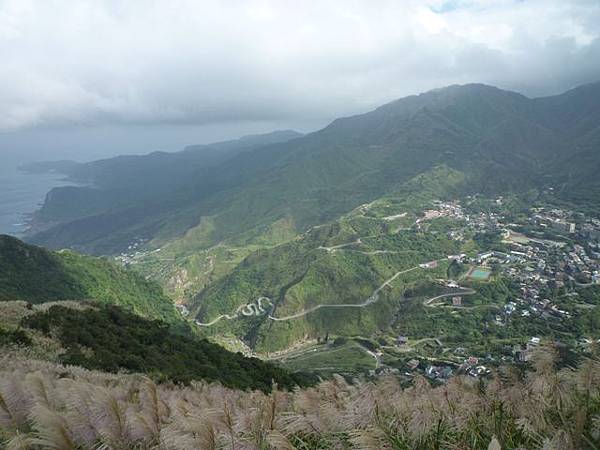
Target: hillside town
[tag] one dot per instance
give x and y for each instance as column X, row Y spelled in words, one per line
column 550, row 249
column 548, row 256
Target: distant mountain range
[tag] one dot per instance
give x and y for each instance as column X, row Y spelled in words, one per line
column 128, row 196
column 502, row 141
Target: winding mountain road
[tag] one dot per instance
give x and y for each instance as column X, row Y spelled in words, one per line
column 257, row 309
column 248, row 309
column 336, row 247
column 217, row 319
column 382, row 252
column 252, row 309
column 462, row 291
column 372, row 299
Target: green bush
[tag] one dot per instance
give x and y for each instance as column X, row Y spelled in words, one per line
column 109, row 338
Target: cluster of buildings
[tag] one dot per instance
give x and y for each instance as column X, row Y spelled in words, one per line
column 445, row 209
column 548, row 251
column 556, row 220
column 133, row 254
column 539, row 264
column 522, row 352
column 452, row 209
column 473, row 367
column 553, row 247
column 442, row 371
column 560, row 249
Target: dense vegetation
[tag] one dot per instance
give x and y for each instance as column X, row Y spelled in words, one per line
column 33, row 274
column 331, row 231
column 118, row 204
column 44, row 405
column 471, row 326
column 111, row 339
column 13, row 337
column 503, row 142
column 302, row 273
column 241, row 221
column 37, row 275
column 236, row 225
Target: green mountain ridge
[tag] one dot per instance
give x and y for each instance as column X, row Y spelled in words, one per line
column 309, row 271
column 251, row 246
column 128, row 191
column 476, row 129
column 89, row 312
column 36, row 275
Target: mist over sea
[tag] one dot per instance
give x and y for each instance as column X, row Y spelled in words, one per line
column 21, row 193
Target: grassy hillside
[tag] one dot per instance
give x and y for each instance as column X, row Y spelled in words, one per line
column 346, row 262
column 106, row 337
column 37, row 275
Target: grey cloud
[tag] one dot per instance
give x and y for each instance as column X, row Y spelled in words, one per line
column 90, row 62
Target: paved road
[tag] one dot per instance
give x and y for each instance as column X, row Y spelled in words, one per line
column 335, row 247
column 249, row 309
column 381, row 252
column 212, row 322
column 377, row 358
column 369, row 301
column 462, row 291
column 372, row 299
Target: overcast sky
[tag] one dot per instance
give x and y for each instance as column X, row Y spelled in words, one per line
column 204, row 70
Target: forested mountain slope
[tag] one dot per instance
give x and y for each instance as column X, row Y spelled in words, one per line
column 88, row 312
column 36, row 275
column 126, row 193
column 106, row 337
column 500, row 140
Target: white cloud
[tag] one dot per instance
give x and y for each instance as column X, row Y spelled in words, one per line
column 185, row 61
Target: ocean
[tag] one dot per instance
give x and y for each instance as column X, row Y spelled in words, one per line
column 21, row 193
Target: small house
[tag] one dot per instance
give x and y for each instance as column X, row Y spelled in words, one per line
column 413, row 364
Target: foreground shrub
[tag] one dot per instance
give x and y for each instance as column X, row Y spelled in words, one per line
column 44, row 405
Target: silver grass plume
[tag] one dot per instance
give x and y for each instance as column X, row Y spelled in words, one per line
column 20, row 441
column 51, row 429
column 14, row 402
column 494, row 444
